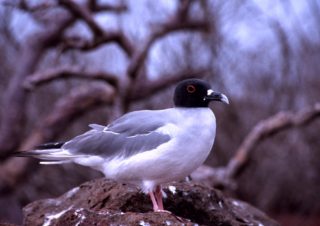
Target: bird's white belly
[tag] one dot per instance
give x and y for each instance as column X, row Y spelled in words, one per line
column 171, row 161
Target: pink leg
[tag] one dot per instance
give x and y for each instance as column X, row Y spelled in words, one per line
column 158, row 196
column 154, row 202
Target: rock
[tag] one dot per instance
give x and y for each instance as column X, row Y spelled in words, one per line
column 104, row 202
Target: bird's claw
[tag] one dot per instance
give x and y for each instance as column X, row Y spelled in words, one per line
column 166, row 211
column 163, row 211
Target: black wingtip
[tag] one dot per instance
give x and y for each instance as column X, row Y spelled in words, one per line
column 22, row 154
column 50, row 145
column 45, row 146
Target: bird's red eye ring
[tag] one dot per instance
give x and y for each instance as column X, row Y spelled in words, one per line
column 191, row 88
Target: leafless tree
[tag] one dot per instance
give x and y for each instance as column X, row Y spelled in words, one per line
column 50, row 80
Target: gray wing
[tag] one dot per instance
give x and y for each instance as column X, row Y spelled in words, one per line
column 138, row 122
column 131, row 134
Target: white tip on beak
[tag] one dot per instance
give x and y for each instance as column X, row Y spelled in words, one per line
column 224, row 99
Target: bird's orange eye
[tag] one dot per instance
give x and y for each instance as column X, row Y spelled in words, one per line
column 191, row 88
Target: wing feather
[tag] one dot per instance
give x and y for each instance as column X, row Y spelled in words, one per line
column 132, row 133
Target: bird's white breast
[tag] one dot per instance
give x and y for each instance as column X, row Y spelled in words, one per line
column 192, row 132
column 194, row 140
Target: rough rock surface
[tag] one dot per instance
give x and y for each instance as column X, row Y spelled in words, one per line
column 104, row 202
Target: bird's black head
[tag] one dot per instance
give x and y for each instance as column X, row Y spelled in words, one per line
column 196, row 93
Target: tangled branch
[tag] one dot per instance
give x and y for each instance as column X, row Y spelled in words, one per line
column 66, row 110
column 173, row 25
column 100, row 36
column 265, row 129
column 46, row 76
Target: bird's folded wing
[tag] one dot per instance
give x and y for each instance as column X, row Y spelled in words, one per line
column 131, row 134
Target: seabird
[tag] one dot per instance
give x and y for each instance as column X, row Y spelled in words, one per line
column 146, row 148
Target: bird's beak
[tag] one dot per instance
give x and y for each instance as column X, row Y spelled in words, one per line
column 215, row 96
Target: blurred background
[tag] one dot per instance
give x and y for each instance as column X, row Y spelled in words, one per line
column 65, row 64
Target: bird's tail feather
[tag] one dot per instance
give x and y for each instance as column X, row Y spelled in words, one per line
column 48, row 156
column 54, row 162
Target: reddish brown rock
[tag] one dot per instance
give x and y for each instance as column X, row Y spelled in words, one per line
column 104, row 202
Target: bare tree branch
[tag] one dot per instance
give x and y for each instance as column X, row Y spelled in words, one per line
column 13, row 116
column 139, row 57
column 83, row 13
column 183, row 9
column 94, row 7
column 100, row 36
column 267, row 128
column 68, row 109
column 83, row 44
column 178, row 23
column 263, row 130
column 42, row 77
column 147, row 88
column 23, row 5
